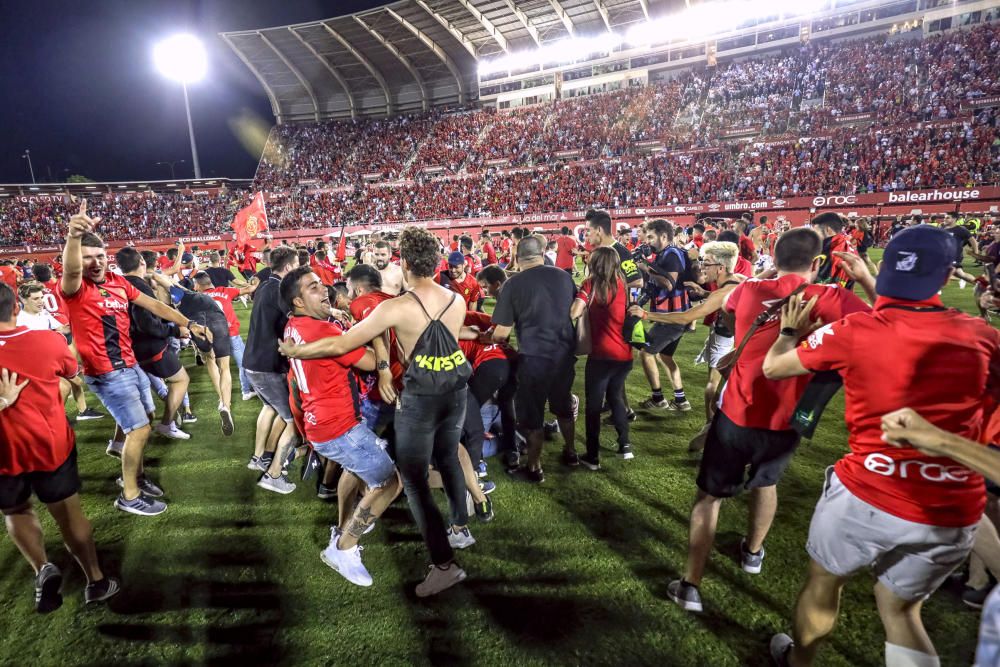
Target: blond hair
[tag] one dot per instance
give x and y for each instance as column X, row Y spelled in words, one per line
column 723, row 252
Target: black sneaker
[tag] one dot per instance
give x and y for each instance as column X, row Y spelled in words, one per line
column 749, row 561
column 311, row 466
column 227, row 422
column 781, row 645
column 685, row 595
column 512, row 460
column 89, row 413
column 99, row 591
column 523, row 474
column 569, row 459
column 625, row 452
column 976, row 597
column 189, row 418
column 550, row 429
column 630, row 416
column 47, row 585
column 590, row 463
column 484, row 510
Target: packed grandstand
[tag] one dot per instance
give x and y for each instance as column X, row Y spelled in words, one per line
column 823, row 118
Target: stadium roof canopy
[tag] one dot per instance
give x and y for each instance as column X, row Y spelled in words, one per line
column 413, row 54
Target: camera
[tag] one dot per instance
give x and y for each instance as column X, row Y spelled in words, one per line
column 642, row 252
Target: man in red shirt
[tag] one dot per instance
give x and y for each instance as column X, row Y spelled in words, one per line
column 908, row 516
column 747, row 249
column 566, row 249
column 330, row 403
column 38, row 455
column 487, row 250
column 224, row 296
column 97, row 303
column 751, row 429
column 364, row 285
column 9, row 274
column 830, row 226
column 462, row 282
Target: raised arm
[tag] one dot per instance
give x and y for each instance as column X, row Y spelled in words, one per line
column 79, row 224
column 164, row 311
column 712, row 303
column 380, row 319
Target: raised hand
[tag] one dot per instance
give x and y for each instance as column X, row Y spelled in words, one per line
column 80, row 223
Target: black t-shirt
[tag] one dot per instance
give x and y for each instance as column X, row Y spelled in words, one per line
column 670, row 260
column 629, row 267
column 962, row 238
column 221, row 277
column 267, row 325
column 536, row 303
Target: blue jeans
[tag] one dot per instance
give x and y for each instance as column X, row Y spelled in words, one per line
column 125, row 394
column 362, row 453
column 376, row 415
column 238, row 348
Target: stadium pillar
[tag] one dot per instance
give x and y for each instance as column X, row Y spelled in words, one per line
column 194, row 148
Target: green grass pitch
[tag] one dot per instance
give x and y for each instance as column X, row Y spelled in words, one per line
column 572, row 572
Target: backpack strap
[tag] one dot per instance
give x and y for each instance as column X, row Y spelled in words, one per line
column 421, row 304
column 445, row 309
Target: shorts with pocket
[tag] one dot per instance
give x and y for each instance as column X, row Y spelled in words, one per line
column 664, row 338
column 273, row 391
column 362, row 453
column 911, row 559
column 49, row 486
column 125, row 393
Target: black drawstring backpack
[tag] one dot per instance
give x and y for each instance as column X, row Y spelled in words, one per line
column 437, row 364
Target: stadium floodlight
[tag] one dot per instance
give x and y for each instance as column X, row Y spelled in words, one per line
column 182, row 58
column 559, row 52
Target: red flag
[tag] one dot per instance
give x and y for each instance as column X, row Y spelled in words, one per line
column 342, row 245
column 250, row 221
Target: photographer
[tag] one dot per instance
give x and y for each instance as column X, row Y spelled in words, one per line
column 665, row 285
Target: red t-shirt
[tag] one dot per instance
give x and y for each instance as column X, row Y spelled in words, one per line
column 327, row 387
column 9, row 275
column 940, row 363
column 606, row 322
column 35, row 435
column 98, row 318
column 489, row 253
column 360, row 308
column 747, row 249
column 743, row 267
column 224, row 296
column 477, row 353
column 750, row 399
column 505, row 246
column 698, row 240
column 565, row 245
column 163, row 262
column 53, row 302
column 467, row 288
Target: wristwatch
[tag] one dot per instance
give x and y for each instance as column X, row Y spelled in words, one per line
column 789, row 331
column 382, row 365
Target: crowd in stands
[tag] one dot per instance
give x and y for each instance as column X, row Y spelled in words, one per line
column 593, row 150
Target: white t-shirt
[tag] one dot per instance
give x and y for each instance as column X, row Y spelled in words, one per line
column 40, row 321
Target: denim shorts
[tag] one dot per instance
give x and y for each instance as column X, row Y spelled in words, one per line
column 361, row 453
column 125, row 394
column 376, row 414
column 273, row 390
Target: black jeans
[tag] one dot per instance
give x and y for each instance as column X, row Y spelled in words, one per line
column 491, row 377
column 428, row 429
column 605, row 378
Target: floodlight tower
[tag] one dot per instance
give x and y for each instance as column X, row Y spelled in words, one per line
column 182, row 58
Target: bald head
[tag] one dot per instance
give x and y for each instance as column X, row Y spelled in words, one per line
column 529, row 248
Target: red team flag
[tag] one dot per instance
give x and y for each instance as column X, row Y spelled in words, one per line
column 250, row 221
column 342, row 245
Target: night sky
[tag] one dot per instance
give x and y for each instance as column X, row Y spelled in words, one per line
column 81, row 91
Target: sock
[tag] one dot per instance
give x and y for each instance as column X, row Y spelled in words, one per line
column 657, row 394
column 679, row 395
column 900, row 656
column 187, row 403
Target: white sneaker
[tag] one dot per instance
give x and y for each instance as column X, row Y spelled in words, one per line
column 115, row 448
column 961, row 284
column 247, row 395
column 171, row 431
column 461, row 539
column 439, row 579
column 346, row 561
column 277, row 484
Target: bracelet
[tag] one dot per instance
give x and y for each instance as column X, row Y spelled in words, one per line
column 789, row 331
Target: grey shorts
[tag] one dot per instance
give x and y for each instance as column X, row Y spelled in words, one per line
column 273, row 390
column 664, row 338
column 911, row 559
column 716, row 347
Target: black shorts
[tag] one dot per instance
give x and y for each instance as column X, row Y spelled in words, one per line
column 730, row 449
column 540, row 379
column 221, row 343
column 50, row 487
column 167, row 366
column 664, row 338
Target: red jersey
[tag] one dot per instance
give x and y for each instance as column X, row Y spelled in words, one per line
column 53, row 302
column 505, row 246
column 489, row 253
column 467, row 288
column 565, row 245
column 698, row 240
column 9, row 275
column 747, row 248
column 328, row 388
column 606, row 323
column 35, row 435
column 750, row 399
column 224, row 296
column 743, row 267
column 360, row 308
column 98, row 318
column 964, row 367
column 163, row 262
column 249, row 260
column 473, row 265
column 477, row 353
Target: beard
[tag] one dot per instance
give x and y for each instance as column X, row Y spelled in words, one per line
column 381, row 264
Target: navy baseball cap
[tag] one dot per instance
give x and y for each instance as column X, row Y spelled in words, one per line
column 456, row 259
column 916, row 263
column 187, row 258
